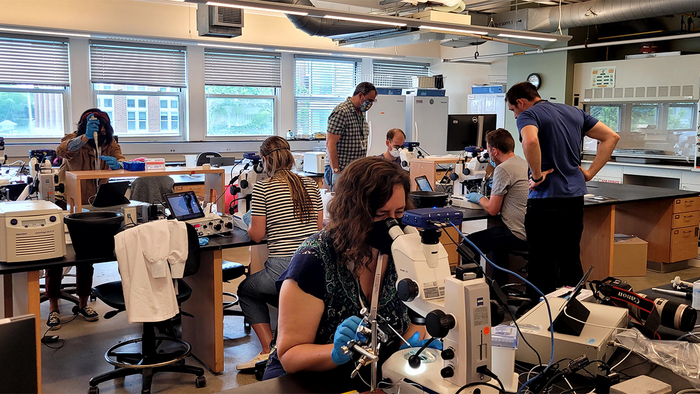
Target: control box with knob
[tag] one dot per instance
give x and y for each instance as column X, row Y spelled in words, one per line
column 212, row 225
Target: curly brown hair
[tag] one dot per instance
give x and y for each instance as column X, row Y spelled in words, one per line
column 362, row 189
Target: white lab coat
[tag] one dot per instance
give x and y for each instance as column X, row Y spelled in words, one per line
column 150, row 256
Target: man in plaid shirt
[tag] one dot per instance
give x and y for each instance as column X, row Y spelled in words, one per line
column 346, row 138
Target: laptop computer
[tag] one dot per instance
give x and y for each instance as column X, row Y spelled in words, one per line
column 110, row 194
column 184, row 205
column 18, row 356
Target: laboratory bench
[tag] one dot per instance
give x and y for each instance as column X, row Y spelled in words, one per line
column 205, row 332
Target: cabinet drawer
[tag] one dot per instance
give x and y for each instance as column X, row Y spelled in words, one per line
column 684, row 243
column 197, row 189
column 686, row 204
column 685, row 219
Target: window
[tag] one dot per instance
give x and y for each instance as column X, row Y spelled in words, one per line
column 241, row 92
column 34, row 79
column 681, row 116
column 397, row 75
column 608, row 114
column 645, row 116
column 143, row 91
column 319, row 86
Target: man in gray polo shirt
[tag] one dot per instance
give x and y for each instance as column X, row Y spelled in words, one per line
column 509, row 197
column 346, row 136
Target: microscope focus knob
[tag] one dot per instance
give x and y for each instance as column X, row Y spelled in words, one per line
column 439, row 324
column 407, row 290
column 243, row 184
column 447, row 354
column 447, row 372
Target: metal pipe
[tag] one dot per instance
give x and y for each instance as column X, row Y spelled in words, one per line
column 568, row 48
column 605, row 11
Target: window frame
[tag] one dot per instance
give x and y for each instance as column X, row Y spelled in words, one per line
column 261, row 137
column 65, row 97
column 324, row 97
column 126, row 137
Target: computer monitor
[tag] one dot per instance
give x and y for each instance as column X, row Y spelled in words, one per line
column 468, row 130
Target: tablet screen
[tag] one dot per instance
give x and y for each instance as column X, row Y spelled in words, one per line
column 424, row 184
column 184, row 205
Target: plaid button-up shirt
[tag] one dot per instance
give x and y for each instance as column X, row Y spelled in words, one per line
column 353, row 129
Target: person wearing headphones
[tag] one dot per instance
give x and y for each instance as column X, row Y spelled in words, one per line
column 80, row 153
column 287, row 208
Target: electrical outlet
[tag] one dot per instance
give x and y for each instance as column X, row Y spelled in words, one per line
column 129, row 214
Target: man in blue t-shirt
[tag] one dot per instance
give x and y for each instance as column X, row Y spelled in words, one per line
column 551, row 135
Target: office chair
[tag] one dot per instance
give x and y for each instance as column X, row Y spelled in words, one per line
column 150, row 360
column 150, row 189
column 205, row 157
column 68, row 290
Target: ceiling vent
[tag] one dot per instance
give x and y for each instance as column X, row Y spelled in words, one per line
column 219, row 21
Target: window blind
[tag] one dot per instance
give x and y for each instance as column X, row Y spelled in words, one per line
column 34, row 62
column 397, row 75
column 225, row 68
column 138, row 65
column 320, row 85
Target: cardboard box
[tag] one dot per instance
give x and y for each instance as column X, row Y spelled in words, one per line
column 629, row 256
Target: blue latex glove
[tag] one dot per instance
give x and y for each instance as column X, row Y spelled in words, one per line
column 474, row 197
column 344, row 333
column 93, row 126
column 111, row 162
column 203, row 241
column 414, row 341
column 248, row 217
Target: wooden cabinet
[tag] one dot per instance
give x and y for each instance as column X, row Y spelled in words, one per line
column 198, row 189
column 432, row 168
column 670, row 226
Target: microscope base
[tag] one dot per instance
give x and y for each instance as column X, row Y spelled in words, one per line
column 427, row 375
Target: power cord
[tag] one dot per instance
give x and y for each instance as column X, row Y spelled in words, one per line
column 549, row 310
column 46, row 340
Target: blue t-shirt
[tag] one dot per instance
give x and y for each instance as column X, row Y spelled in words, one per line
column 561, row 129
column 397, row 160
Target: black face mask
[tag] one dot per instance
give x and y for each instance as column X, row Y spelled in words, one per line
column 379, row 238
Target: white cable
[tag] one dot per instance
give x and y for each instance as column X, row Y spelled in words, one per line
column 559, row 26
column 570, row 386
column 611, row 328
column 688, row 391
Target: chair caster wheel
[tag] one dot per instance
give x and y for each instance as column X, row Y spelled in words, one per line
column 94, row 390
column 200, row 382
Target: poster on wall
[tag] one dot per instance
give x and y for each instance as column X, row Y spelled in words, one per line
column 603, row 77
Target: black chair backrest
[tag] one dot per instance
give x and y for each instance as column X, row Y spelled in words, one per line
column 192, row 263
column 205, row 157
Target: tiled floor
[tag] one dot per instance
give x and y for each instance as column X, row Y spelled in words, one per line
column 67, row 370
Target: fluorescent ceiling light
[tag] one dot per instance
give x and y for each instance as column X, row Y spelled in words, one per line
column 304, row 52
column 527, row 37
column 246, row 7
column 346, row 18
column 53, row 33
column 369, row 56
column 231, row 47
column 429, row 27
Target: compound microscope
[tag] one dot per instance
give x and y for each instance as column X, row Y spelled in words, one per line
column 457, row 310
column 470, row 176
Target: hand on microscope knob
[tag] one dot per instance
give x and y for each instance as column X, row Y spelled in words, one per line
column 474, row 197
column 343, row 334
column 415, row 341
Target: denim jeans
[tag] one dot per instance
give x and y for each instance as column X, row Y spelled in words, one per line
column 496, row 243
column 259, row 289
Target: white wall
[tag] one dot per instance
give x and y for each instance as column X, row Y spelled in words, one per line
column 145, row 21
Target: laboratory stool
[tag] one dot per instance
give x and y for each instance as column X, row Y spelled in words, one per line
column 154, row 357
column 524, row 255
column 230, row 271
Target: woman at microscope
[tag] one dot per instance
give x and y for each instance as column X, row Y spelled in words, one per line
column 330, row 277
column 287, row 208
column 79, row 152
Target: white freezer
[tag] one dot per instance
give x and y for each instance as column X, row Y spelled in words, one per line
column 388, row 112
column 426, row 122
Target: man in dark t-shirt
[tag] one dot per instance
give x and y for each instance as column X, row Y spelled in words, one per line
column 551, row 136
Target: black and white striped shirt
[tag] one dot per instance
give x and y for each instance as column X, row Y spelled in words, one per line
column 285, row 232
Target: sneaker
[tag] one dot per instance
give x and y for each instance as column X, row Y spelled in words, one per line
column 54, row 320
column 251, row 364
column 87, row 313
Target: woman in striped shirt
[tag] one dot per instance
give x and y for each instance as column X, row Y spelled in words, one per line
column 287, row 208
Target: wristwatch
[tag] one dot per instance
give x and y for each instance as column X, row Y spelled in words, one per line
column 336, row 170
